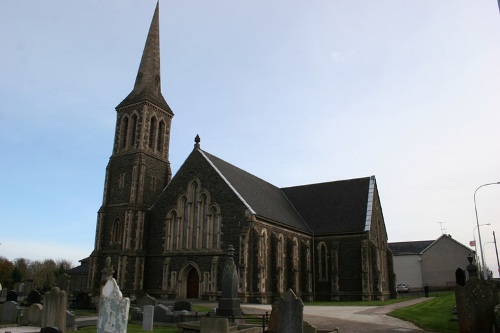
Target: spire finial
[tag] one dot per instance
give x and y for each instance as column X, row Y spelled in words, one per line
column 197, row 142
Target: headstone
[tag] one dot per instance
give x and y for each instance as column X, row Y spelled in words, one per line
column 33, row 316
column 82, row 301
column 34, row 297
column 460, row 277
column 11, row 296
column 50, row 329
column 113, row 309
column 147, row 318
column 3, row 294
column 20, row 288
column 182, row 306
column 146, row 300
column 162, row 313
column 214, row 325
column 136, row 314
column 476, row 303
column 287, row 314
column 229, row 303
column 70, row 320
column 54, row 309
column 10, row 312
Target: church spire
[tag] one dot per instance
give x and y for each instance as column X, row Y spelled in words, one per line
column 147, row 83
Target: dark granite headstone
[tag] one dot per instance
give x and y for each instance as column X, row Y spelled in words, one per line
column 50, row 329
column 146, row 300
column 34, row 297
column 162, row 313
column 182, row 306
column 11, row 296
column 82, row 301
column 229, row 303
column 460, row 277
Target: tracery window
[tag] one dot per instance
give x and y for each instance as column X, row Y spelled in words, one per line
column 198, row 221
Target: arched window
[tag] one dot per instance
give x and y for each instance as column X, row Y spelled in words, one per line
column 152, row 132
column 123, row 132
column 116, row 232
column 131, row 131
column 161, row 134
column 323, row 261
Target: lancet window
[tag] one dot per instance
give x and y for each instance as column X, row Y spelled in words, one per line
column 116, row 232
column 195, row 223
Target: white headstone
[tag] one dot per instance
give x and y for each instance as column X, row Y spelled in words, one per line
column 113, row 309
column 147, row 318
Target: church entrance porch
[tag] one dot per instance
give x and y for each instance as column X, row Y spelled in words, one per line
column 189, row 284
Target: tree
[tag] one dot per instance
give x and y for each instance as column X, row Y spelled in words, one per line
column 16, row 275
column 6, row 269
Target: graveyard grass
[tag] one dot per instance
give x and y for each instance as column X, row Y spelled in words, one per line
column 136, row 328
column 433, row 315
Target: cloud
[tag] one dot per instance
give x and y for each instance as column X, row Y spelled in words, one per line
column 337, row 56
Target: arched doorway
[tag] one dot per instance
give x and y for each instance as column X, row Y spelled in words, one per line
column 193, row 284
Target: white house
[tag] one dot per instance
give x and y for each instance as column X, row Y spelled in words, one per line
column 431, row 262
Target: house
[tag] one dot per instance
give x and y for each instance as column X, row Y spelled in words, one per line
column 431, row 262
column 167, row 235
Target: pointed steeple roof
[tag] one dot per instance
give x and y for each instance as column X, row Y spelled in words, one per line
column 147, row 83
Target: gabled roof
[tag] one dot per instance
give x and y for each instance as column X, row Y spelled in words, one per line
column 339, row 206
column 333, row 207
column 260, row 197
column 415, row 247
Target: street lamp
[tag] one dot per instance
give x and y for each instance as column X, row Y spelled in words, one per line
column 474, row 236
column 479, row 229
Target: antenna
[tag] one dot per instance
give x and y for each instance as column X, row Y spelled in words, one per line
column 442, row 229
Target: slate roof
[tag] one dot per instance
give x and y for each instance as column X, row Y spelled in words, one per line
column 83, row 268
column 339, row 206
column 263, row 198
column 333, row 207
column 416, row 247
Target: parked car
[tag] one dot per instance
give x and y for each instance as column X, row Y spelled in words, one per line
column 403, row 288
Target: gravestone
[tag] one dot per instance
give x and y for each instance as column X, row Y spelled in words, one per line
column 476, row 303
column 34, row 297
column 113, row 309
column 229, row 303
column 182, row 306
column 10, row 312
column 162, row 313
column 82, row 301
column 11, row 296
column 214, row 325
column 33, row 316
column 460, row 277
column 3, row 294
column 54, row 309
column 147, row 318
column 287, row 314
column 146, row 300
column 50, row 329
column 70, row 320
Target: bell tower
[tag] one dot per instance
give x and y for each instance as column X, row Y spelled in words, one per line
column 137, row 172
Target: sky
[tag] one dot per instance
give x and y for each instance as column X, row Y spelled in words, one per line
column 295, row 92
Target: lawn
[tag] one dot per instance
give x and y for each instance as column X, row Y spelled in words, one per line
column 433, row 315
column 136, row 328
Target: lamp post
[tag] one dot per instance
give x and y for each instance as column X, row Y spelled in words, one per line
column 474, row 236
column 478, row 229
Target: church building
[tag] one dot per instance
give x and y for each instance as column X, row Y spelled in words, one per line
column 167, row 235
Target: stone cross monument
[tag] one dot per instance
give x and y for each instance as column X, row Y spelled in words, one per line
column 229, row 303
